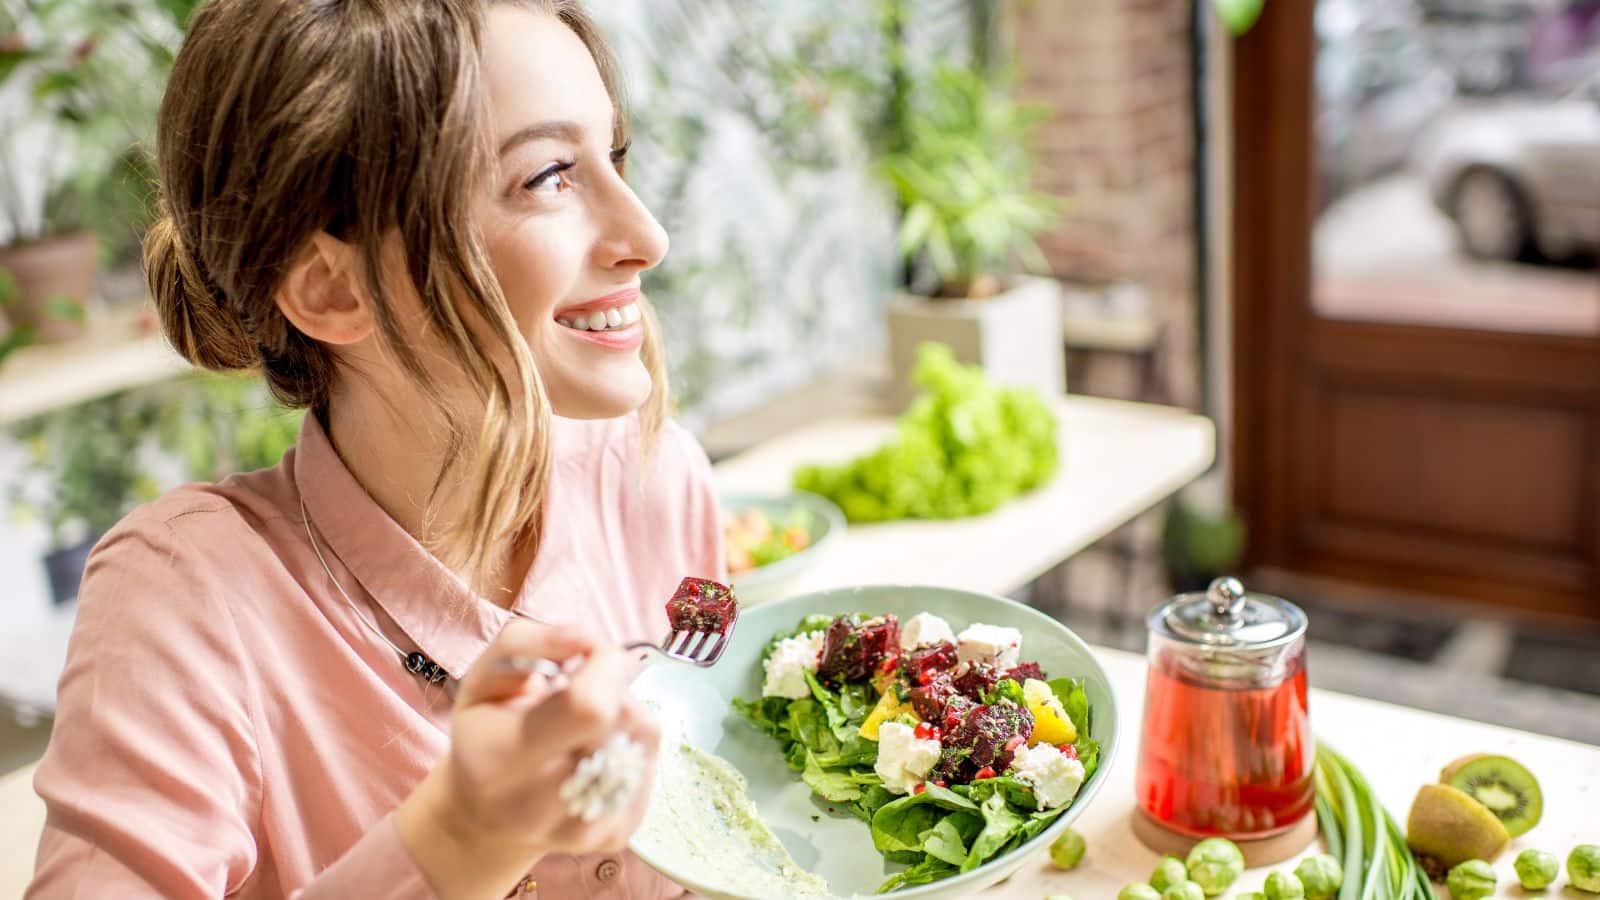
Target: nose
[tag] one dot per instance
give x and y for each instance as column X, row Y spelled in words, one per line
column 630, row 237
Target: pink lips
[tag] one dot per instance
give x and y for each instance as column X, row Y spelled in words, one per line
column 627, row 338
column 614, row 300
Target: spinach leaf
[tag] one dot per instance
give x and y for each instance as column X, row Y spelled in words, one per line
column 1076, row 702
column 929, row 870
column 1000, row 824
column 947, row 839
column 897, row 828
column 768, row 713
column 838, row 785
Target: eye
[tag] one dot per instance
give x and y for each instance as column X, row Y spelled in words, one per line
column 619, row 156
column 540, row 183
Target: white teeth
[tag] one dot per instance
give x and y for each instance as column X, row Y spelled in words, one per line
column 618, row 317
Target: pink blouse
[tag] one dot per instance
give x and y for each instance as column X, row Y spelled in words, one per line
column 226, row 724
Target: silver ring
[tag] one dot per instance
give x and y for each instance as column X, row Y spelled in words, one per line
column 606, row 781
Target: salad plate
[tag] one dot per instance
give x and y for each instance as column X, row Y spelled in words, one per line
column 734, row 814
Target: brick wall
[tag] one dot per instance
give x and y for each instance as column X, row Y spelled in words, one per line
column 1120, row 147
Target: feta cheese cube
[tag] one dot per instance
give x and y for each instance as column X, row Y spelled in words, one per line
column 904, row 760
column 993, row 644
column 923, row 629
column 1054, row 776
column 786, row 668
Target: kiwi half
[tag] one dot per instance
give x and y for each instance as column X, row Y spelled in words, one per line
column 1451, row 827
column 1503, row 785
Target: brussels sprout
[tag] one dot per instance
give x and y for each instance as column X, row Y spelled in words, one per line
column 1321, row 876
column 1284, row 886
column 1138, row 891
column 1471, row 880
column 1253, row 895
column 1214, row 864
column 1536, row 869
column 1183, row 890
column 1170, row 870
column 1583, row 867
column 1067, row 851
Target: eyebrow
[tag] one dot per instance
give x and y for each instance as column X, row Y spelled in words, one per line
column 557, row 128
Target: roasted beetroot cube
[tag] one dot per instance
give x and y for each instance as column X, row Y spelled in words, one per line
column 1025, row 671
column 929, row 699
column 984, row 738
column 932, row 659
column 853, row 649
column 977, row 679
column 702, row 605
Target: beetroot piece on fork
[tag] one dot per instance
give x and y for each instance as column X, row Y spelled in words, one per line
column 701, row 604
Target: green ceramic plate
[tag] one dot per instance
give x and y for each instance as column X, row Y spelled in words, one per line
column 824, row 521
column 694, row 705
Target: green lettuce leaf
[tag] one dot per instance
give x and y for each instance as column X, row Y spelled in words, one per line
column 1000, row 824
column 1076, row 702
column 925, row 872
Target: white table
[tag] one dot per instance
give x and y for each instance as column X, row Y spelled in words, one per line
column 1397, row 749
column 1118, row 460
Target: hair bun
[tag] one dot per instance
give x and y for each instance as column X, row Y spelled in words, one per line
column 195, row 314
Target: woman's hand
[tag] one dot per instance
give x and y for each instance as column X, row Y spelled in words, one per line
column 492, row 808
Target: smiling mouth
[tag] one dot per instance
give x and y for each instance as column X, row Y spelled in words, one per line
column 616, row 318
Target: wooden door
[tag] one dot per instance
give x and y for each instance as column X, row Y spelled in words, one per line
column 1433, row 428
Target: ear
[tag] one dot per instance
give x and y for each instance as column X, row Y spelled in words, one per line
column 323, row 295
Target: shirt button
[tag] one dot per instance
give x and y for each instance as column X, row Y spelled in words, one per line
column 608, row 871
column 526, row 887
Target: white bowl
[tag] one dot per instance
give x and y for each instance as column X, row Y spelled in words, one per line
column 695, row 706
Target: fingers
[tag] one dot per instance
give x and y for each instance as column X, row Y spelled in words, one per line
column 490, row 679
column 587, row 711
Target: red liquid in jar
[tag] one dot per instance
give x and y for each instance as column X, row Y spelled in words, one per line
column 1224, row 760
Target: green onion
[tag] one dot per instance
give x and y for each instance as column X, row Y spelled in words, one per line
column 1359, row 831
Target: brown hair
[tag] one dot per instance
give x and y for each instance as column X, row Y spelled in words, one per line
column 362, row 118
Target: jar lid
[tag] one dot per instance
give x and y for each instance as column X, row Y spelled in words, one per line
column 1225, row 615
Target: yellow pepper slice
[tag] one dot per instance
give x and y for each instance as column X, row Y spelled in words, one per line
column 888, row 707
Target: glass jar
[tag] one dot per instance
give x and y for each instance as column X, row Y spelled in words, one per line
column 1226, row 748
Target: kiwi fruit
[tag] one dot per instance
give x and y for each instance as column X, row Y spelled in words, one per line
column 1502, row 784
column 1449, row 826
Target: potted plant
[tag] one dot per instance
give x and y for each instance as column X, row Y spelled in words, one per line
column 1199, row 546
column 73, row 157
column 961, row 169
column 83, row 474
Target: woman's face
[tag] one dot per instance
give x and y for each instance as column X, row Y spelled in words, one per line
column 565, row 234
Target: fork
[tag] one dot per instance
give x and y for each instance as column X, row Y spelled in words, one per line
column 678, row 646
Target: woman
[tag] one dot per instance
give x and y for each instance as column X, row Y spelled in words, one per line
column 411, row 216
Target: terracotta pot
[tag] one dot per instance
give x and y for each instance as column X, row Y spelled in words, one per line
column 49, row 273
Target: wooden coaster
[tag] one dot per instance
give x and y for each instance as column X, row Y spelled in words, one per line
column 1258, row 852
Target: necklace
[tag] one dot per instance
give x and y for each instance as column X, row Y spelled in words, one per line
column 415, row 662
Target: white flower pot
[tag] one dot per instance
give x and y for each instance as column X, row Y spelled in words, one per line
column 1015, row 336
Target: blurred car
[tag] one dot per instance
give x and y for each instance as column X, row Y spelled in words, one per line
column 1378, row 89
column 1520, row 174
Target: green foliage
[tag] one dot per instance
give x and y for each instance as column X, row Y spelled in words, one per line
column 85, row 467
column 222, row 424
column 16, row 336
column 94, row 72
column 963, row 176
column 1197, row 547
column 86, row 463
column 964, row 447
